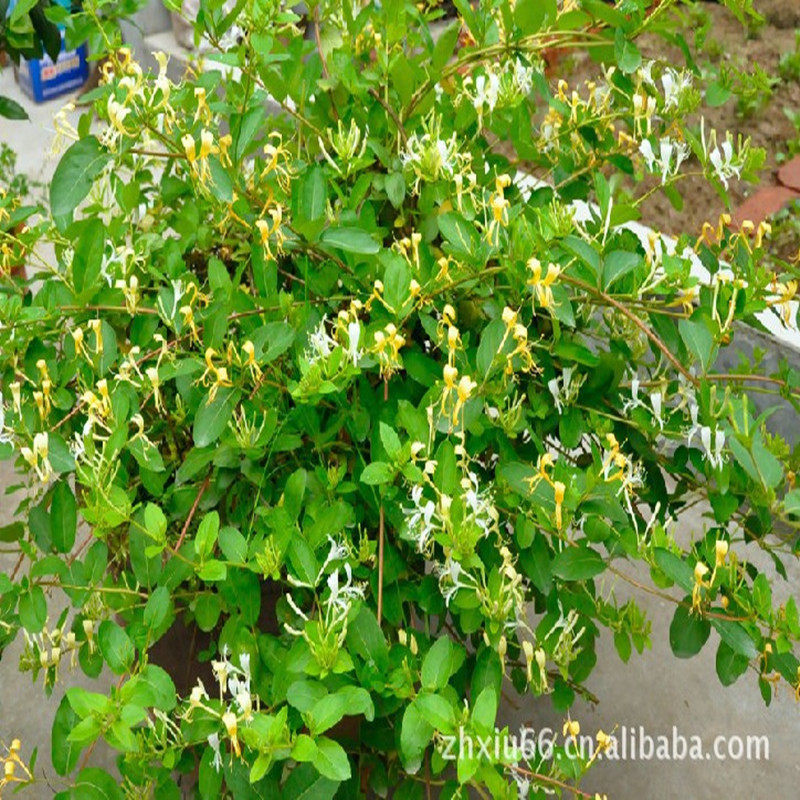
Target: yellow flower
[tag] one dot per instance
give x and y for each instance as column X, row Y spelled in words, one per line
column 225, row 143
column 155, row 382
column 203, row 111
column 542, row 285
column 603, row 740
column 721, row 552
column 572, row 728
column 189, row 148
column 219, row 375
column 230, row 723
column 248, row 348
column 559, row 490
column 786, row 294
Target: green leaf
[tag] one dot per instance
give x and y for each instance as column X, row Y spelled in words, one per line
column 213, row 570
column 157, row 608
column 303, row 695
column 622, row 642
column 440, row 662
column 88, row 259
column 95, row 784
column 736, row 637
column 626, row 53
column 212, row 418
column 532, row 15
column 436, row 711
column 578, row 564
column 155, row 522
column 151, row 688
column 12, row 532
column 687, row 633
column 75, row 175
column 272, row 340
column 10, row 109
column 350, row 240
column 484, row 710
column 769, row 468
column 207, row 609
column 63, row 753
column 21, row 9
column 717, row 94
column 116, row 647
column 350, row 701
column 206, row 537
column 443, row 49
column 617, row 264
column 791, row 502
column 674, row 568
column 415, row 735
column 698, row 341
column 395, row 186
column 331, row 760
column 233, row 545
column 33, row 609
column 63, row 517
column 309, row 198
column 460, row 234
column 730, row 664
column 377, row 473
column 390, row 440
column 221, row 179
column 396, row 281
column 366, row 640
column 305, row 783
column 303, row 562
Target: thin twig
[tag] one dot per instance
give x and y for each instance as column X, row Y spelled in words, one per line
column 380, row 565
column 200, row 492
column 587, row 287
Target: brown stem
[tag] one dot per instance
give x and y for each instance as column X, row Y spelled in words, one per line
column 380, row 565
column 381, row 531
column 200, row 492
column 636, row 321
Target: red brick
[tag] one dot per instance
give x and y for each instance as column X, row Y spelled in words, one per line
column 764, row 203
column 789, row 174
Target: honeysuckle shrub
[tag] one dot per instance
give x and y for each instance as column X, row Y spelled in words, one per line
column 350, row 358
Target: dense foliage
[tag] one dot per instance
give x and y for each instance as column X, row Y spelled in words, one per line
column 351, row 358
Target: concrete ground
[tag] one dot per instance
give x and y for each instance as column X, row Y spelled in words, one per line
column 655, row 690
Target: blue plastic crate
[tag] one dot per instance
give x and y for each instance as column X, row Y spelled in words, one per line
column 42, row 79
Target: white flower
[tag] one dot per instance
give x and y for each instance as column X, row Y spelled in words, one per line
column 5, row 438
column 675, row 85
column 693, row 410
column 320, row 343
column 487, row 90
column 726, row 165
column 421, row 519
column 663, row 163
column 337, row 552
column 483, row 513
column 656, row 400
column 354, row 337
column 564, row 389
column 721, row 159
column 223, row 670
column 341, row 597
column 713, row 454
column 452, row 577
column 213, row 741
column 198, row 694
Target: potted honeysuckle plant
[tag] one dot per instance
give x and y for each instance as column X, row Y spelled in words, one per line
column 360, row 322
